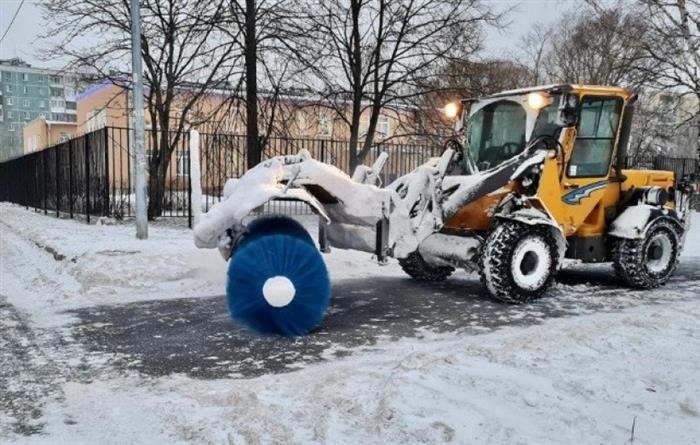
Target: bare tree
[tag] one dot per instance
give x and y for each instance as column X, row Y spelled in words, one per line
column 273, row 39
column 379, row 53
column 463, row 78
column 670, row 48
column 184, row 55
column 533, row 49
column 590, row 48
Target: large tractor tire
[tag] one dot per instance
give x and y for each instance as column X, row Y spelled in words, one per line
column 277, row 280
column 417, row 268
column 648, row 262
column 518, row 261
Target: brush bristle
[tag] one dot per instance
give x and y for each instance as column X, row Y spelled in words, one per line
column 278, row 247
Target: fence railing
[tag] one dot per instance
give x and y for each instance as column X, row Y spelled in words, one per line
column 92, row 175
column 71, row 177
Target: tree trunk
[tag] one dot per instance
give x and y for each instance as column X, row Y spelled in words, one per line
column 156, row 191
column 160, row 161
column 357, row 86
column 354, row 135
column 253, row 152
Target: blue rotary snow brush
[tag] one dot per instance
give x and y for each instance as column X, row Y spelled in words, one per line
column 277, row 280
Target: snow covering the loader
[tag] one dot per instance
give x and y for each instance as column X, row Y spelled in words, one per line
column 631, row 222
column 413, row 204
column 358, row 205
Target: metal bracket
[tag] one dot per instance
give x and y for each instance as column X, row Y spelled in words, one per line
column 323, row 244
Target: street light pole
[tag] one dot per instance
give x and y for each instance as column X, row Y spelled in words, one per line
column 137, row 77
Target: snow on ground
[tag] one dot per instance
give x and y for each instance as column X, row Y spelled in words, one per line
column 581, row 378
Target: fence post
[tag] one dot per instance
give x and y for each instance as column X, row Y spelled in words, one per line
column 57, row 152
column 26, row 189
column 70, row 177
column 323, row 150
column 189, row 182
column 105, row 141
column 43, row 165
column 87, row 177
column 194, row 180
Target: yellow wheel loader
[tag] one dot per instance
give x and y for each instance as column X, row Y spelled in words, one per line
column 535, row 176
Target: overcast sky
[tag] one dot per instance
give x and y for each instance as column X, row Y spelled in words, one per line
column 23, row 39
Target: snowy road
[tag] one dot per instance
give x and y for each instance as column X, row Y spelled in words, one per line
column 196, row 337
column 96, row 326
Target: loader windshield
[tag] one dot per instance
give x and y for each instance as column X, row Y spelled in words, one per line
column 498, row 131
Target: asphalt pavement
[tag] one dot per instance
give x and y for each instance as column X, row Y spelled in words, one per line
column 196, row 336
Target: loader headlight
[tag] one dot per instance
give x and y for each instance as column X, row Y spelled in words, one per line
column 538, row 100
column 451, row 110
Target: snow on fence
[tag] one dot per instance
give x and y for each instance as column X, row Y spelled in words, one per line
column 92, row 175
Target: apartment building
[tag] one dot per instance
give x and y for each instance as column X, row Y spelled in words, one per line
column 28, row 93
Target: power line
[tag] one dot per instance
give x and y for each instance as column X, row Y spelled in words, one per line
column 12, row 21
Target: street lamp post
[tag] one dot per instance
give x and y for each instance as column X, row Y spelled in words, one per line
column 137, row 77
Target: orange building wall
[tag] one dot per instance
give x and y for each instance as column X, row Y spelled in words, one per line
column 39, row 134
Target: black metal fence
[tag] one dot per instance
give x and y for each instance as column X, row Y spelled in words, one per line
column 92, row 175
column 70, row 177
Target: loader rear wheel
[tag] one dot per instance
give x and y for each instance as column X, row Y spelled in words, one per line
column 648, row 262
column 416, row 267
column 518, row 262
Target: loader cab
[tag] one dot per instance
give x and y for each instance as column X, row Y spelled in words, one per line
column 498, row 127
column 583, row 127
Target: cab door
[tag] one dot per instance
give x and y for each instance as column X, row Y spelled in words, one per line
column 586, row 178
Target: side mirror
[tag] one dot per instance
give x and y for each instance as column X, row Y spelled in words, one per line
column 568, row 110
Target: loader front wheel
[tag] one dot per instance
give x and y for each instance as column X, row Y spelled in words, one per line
column 518, row 261
column 648, row 262
column 417, row 268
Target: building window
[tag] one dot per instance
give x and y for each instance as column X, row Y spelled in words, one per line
column 25, row 103
column 8, row 88
column 63, row 137
column 10, row 101
column 25, row 77
column 6, row 75
column 183, row 164
column 42, row 104
column 56, row 92
column 325, row 125
column 56, row 79
column 70, row 105
column 25, row 89
column 27, row 116
column 12, row 126
column 10, row 115
column 383, row 127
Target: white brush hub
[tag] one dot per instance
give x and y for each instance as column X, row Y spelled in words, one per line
column 278, row 291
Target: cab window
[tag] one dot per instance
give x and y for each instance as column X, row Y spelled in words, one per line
column 595, row 138
column 497, row 133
